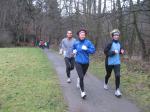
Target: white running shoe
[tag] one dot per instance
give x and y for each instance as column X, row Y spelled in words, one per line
column 118, row 93
column 78, row 82
column 83, row 94
column 69, row 80
column 105, row 86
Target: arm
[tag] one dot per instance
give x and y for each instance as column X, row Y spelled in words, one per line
column 74, row 49
column 122, row 51
column 60, row 45
column 74, row 46
column 63, row 45
column 107, row 51
column 91, row 49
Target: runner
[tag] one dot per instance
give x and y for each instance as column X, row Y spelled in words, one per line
column 67, row 46
column 82, row 48
column 112, row 61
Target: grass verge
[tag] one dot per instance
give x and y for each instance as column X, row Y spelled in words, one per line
column 28, row 82
column 134, row 84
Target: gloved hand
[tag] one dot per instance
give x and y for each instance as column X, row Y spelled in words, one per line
column 64, row 53
column 84, row 47
column 74, row 51
column 116, row 51
column 61, row 51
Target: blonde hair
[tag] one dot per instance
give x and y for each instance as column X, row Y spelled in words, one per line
column 114, row 31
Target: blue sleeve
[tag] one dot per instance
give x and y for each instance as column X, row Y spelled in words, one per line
column 74, row 46
column 91, row 48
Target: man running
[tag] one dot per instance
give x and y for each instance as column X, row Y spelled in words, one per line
column 67, row 46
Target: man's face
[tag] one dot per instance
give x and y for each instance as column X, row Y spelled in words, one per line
column 69, row 34
column 82, row 35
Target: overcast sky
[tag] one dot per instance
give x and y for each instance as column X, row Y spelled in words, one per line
column 108, row 5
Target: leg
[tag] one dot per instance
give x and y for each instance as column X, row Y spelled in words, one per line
column 117, row 75
column 80, row 74
column 67, row 67
column 85, row 68
column 108, row 72
column 72, row 63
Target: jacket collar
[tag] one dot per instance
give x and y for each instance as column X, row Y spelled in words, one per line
column 82, row 40
column 116, row 41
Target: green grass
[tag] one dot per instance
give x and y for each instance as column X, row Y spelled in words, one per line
column 134, row 84
column 28, row 82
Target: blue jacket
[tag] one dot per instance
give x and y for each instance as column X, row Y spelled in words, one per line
column 115, row 59
column 82, row 56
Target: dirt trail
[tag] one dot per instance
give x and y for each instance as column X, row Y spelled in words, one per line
column 98, row 99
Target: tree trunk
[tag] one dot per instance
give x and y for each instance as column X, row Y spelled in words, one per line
column 141, row 40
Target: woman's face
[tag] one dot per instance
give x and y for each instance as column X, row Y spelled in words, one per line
column 82, row 35
column 116, row 37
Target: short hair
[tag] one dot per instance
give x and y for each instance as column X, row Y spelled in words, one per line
column 81, row 30
column 115, row 31
column 69, row 31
